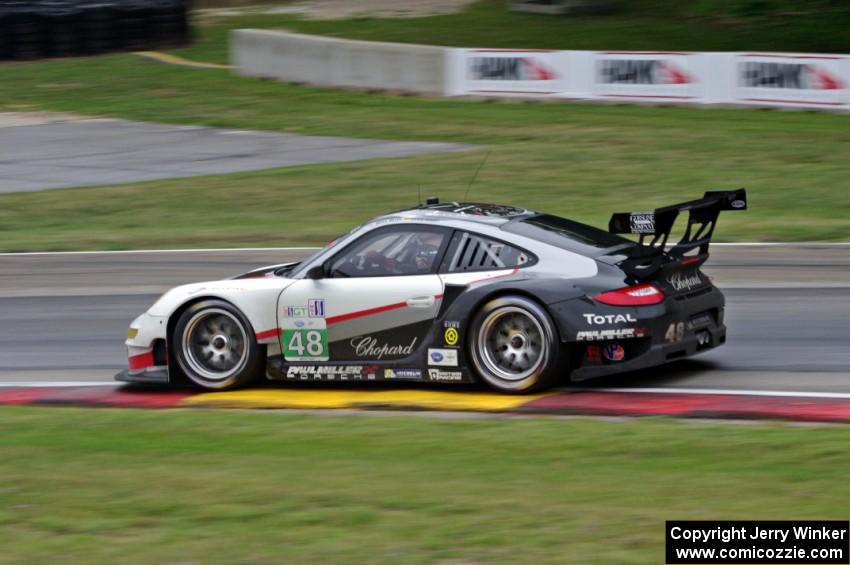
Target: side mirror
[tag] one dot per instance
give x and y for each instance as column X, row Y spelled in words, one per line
column 315, row 273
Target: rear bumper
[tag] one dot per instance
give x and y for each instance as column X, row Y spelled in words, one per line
column 657, row 354
column 680, row 327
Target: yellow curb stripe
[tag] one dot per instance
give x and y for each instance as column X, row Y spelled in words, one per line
column 342, row 399
column 175, row 60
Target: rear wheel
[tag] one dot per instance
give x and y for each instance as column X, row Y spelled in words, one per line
column 514, row 345
column 215, row 346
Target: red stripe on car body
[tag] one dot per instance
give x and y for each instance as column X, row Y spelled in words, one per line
column 268, row 334
column 513, row 272
column 370, row 311
column 141, row 361
column 367, row 312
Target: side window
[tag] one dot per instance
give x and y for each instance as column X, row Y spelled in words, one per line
column 412, row 250
column 470, row 252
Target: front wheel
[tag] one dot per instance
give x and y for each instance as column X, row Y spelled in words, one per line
column 514, row 345
column 215, row 346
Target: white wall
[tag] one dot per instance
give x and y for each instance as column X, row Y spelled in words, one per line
column 327, row 61
column 746, row 79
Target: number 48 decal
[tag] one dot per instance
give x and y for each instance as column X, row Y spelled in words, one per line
column 675, row 333
column 305, row 345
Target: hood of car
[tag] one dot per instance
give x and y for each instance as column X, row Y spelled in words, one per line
column 227, row 289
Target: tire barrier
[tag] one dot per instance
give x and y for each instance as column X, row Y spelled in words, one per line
column 69, row 28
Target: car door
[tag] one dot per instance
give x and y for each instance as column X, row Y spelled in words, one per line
column 376, row 301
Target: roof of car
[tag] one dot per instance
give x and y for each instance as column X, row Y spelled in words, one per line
column 466, row 211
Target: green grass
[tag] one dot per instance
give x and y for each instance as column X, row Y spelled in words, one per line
column 584, row 161
column 702, row 25
column 98, row 486
column 580, row 160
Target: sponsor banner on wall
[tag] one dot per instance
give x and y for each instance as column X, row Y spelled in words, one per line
column 798, row 80
column 504, row 72
column 647, row 75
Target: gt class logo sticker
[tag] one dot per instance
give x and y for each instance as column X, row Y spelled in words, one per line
column 442, row 357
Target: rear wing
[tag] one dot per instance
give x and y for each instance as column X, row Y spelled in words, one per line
column 702, row 217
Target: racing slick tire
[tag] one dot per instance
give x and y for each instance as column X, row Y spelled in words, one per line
column 514, row 345
column 215, row 346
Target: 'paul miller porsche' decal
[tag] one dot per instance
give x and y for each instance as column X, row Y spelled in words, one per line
column 332, row 372
column 604, row 335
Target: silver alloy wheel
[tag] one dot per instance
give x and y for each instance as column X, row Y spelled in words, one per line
column 215, row 344
column 511, row 343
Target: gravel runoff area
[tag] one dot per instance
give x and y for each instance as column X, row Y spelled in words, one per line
column 43, row 151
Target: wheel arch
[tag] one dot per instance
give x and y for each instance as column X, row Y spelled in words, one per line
column 512, row 291
column 560, row 347
column 174, row 367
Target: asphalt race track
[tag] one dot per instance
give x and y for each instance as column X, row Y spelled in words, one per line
column 93, row 152
column 63, row 316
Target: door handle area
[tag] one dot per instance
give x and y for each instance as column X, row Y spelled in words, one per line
column 421, row 302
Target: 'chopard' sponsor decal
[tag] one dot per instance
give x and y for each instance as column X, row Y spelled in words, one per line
column 593, row 319
column 684, row 282
column 365, row 346
column 604, row 335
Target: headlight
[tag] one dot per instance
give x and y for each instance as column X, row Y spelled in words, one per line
column 132, row 333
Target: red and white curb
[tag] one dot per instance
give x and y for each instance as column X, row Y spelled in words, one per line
column 674, row 402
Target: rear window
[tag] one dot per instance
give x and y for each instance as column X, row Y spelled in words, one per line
column 470, row 252
column 566, row 234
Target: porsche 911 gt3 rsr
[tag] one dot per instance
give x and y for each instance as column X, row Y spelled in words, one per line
column 451, row 293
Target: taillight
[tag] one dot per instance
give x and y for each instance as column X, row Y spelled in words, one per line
column 640, row 295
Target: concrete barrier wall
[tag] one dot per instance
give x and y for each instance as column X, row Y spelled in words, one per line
column 327, row 61
column 784, row 80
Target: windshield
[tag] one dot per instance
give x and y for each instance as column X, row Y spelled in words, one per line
column 567, row 234
column 322, row 253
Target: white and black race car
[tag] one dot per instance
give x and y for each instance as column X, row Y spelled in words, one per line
column 450, row 293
